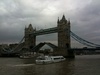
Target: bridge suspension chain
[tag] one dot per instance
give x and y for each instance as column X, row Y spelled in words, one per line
column 19, row 43
column 6, row 49
column 12, row 50
column 85, row 42
column 81, row 41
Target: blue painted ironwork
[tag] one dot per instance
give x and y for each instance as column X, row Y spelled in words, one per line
column 51, row 45
column 37, row 47
column 84, row 42
column 10, row 51
column 46, row 31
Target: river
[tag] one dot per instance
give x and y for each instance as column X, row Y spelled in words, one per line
column 81, row 65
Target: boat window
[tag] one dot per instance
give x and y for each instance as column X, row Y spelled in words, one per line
column 56, row 58
column 41, row 58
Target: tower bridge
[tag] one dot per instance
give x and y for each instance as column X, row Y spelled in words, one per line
column 63, row 30
column 64, row 41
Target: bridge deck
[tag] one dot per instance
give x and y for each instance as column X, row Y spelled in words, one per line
column 46, row 31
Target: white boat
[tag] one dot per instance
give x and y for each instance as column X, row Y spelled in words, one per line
column 49, row 59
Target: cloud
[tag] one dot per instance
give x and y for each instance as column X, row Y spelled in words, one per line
column 88, row 21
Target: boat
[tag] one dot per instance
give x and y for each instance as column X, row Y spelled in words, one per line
column 49, row 59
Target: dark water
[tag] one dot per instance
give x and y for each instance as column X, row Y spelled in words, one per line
column 81, row 65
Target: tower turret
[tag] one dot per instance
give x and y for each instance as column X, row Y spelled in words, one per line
column 63, row 18
column 63, row 35
column 30, row 39
column 58, row 20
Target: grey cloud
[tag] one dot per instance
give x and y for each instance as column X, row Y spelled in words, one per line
column 88, row 22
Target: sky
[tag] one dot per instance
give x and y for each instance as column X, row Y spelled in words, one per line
column 15, row 15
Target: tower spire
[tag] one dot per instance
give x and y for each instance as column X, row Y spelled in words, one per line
column 63, row 18
column 58, row 20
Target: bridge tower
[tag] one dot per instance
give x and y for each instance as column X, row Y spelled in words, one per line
column 64, row 37
column 30, row 40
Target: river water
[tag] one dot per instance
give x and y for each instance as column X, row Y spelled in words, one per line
column 81, row 65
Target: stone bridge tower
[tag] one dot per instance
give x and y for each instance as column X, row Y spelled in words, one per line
column 63, row 37
column 30, row 40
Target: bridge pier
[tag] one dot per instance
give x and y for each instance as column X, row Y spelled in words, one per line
column 67, row 53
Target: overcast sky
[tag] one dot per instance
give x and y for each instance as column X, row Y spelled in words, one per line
column 16, row 14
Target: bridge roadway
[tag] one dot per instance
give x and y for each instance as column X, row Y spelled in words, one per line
column 45, row 31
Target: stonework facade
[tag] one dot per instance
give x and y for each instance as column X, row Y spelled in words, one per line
column 30, row 40
column 63, row 32
column 63, row 36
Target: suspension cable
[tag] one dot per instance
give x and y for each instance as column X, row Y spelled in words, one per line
column 77, row 38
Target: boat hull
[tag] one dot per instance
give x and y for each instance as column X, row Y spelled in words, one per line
column 50, row 59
